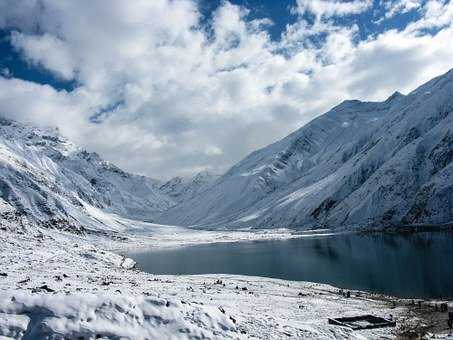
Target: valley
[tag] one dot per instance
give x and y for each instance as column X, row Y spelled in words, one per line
column 69, row 217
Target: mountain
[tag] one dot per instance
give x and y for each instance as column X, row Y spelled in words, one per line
column 47, row 179
column 181, row 189
column 362, row 164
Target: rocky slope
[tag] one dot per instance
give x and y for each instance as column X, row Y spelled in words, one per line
column 360, row 164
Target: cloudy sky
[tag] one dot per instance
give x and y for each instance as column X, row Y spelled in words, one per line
column 172, row 87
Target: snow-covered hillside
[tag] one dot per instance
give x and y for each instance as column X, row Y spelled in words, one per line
column 182, row 188
column 360, row 164
column 45, row 178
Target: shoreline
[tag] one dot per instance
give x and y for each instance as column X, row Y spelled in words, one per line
column 270, row 237
column 47, row 266
column 192, row 237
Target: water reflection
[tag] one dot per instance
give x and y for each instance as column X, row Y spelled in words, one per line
column 412, row 265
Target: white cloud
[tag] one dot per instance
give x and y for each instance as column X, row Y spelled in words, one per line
column 6, row 72
column 394, row 7
column 36, row 49
column 436, row 14
column 177, row 97
column 41, row 104
column 331, row 8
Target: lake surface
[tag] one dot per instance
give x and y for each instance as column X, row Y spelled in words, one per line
column 411, row 265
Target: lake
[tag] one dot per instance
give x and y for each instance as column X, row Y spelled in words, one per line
column 410, row 265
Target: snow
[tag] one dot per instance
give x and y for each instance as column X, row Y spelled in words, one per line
column 67, row 215
column 253, row 171
column 298, row 194
column 108, row 315
column 251, row 217
column 65, row 285
column 387, row 164
column 343, row 169
column 5, row 207
column 181, row 189
column 46, row 176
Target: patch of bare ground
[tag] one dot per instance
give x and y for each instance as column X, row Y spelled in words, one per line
column 424, row 319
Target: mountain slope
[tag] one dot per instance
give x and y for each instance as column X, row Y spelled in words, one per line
column 46, row 178
column 360, row 164
column 181, row 189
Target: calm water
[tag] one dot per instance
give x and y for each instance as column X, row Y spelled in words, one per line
column 414, row 265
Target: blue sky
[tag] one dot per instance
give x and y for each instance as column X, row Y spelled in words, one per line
column 279, row 12
column 172, row 87
column 11, row 60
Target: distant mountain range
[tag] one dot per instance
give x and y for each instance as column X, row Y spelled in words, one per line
column 47, row 179
column 362, row 164
column 181, row 189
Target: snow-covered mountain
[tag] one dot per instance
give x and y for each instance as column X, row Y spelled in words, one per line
column 45, row 177
column 360, row 164
column 181, row 189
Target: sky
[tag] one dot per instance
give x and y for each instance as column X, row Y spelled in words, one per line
column 174, row 87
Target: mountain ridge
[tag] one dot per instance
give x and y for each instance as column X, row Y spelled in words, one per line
column 309, row 178
column 361, row 164
column 47, row 179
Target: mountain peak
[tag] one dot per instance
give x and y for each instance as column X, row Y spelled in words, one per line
column 204, row 176
column 395, row 96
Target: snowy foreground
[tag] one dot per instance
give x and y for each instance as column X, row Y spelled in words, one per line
column 56, row 285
